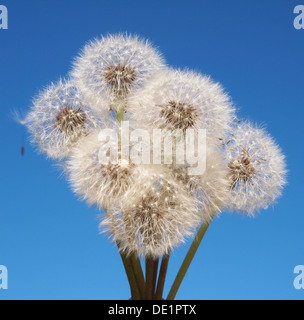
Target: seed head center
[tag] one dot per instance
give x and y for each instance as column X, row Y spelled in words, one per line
column 241, row 169
column 70, row 119
column 117, row 176
column 179, row 115
column 120, row 76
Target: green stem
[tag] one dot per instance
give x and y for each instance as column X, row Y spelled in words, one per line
column 162, row 277
column 130, row 262
column 139, row 275
column 131, row 277
column 154, row 279
column 127, row 262
column 189, row 258
column 120, row 115
column 120, row 118
column 149, row 279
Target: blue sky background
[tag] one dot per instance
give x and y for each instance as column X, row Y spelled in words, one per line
column 49, row 240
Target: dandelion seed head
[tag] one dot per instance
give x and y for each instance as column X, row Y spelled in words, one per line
column 256, row 169
column 176, row 99
column 59, row 119
column 111, row 67
column 157, row 222
column 103, row 183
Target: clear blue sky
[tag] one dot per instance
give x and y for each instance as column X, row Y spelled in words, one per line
column 49, row 240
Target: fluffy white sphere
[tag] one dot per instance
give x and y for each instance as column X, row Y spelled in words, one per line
column 104, row 183
column 158, row 221
column 111, row 67
column 257, row 169
column 58, row 119
column 181, row 100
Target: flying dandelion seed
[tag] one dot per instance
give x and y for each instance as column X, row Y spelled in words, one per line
column 17, row 117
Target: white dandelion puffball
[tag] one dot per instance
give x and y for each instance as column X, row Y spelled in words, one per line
column 181, row 100
column 103, row 183
column 114, row 65
column 210, row 190
column 58, row 119
column 257, row 169
column 157, row 222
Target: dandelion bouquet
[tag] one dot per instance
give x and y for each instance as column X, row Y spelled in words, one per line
column 159, row 151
